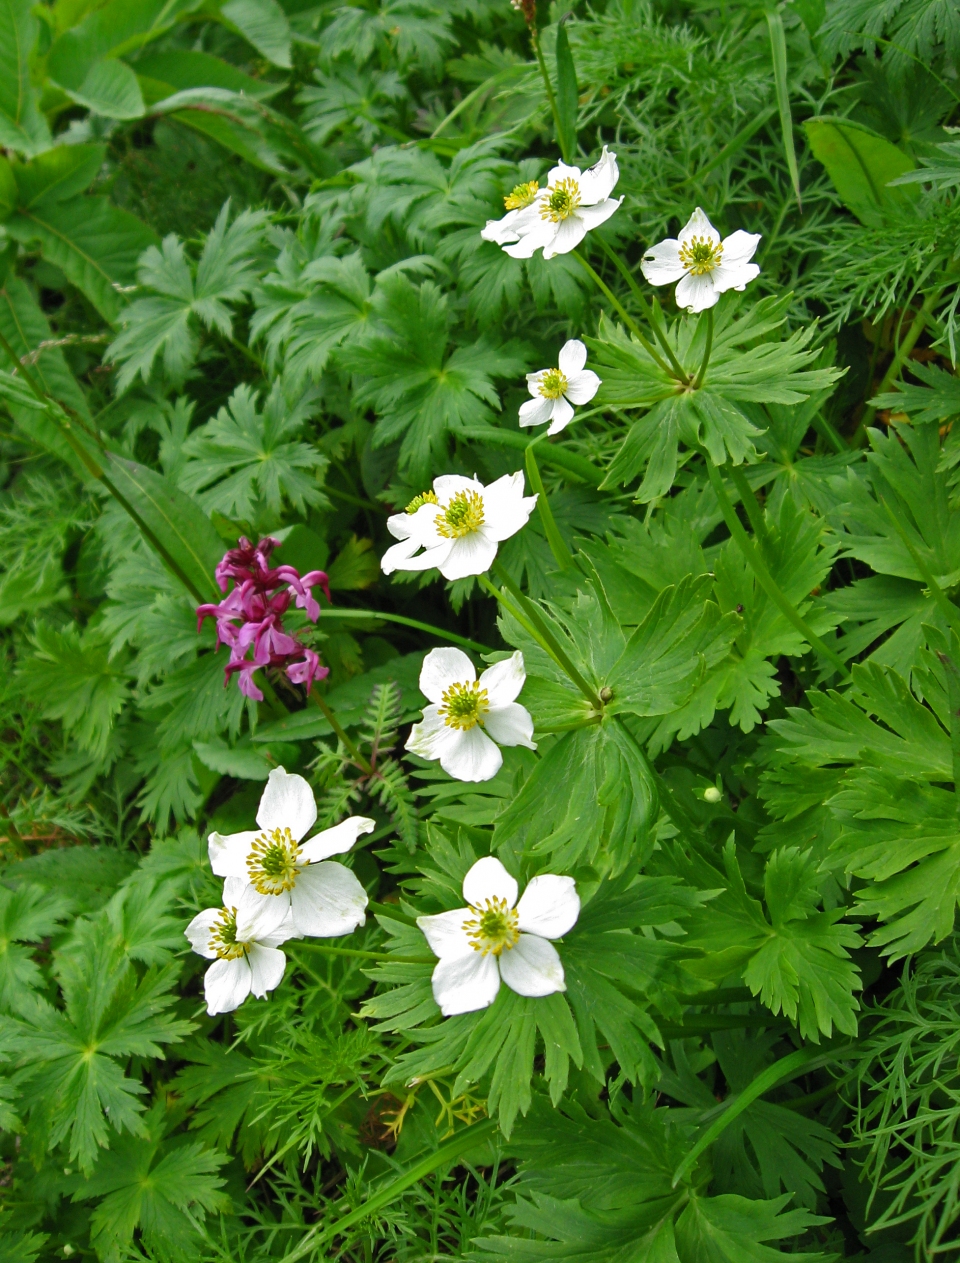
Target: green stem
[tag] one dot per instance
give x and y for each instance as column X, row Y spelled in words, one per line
column 520, row 617
column 749, row 501
column 702, row 371
column 389, row 910
column 896, row 364
column 545, row 636
column 335, row 724
column 551, row 97
column 709, row 1022
column 561, row 553
column 550, row 453
column 335, row 614
column 764, row 577
column 356, row 954
column 649, row 309
column 631, row 324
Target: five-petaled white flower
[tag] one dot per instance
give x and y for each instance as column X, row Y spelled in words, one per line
column 466, row 712
column 556, row 390
column 705, row 266
column 324, row 898
column 496, row 937
column 458, row 525
column 242, row 939
column 558, row 217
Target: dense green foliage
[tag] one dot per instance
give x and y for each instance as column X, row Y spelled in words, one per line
column 243, row 292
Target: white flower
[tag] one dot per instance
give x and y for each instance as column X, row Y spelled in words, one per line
column 324, row 899
column 242, row 939
column 705, row 266
column 496, row 937
column 556, row 390
column 502, row 231
column 562, row 214
column 458, row 525
column 467, row 712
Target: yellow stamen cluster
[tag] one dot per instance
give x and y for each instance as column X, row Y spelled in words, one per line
column 274, row 862
column 523, row 195
column 700, row 255
column 425, row 497
column 463, row 706
column 462, row 516
column 493, row 927
column 553, row 384
column 562, row 200
column 223, row 936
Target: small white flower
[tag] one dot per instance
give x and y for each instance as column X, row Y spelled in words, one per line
column 705, row 266
column 502, row 231
column 556, row 390
column 458, row 525
column 324, row 899
column 562, row 214
column 467, row 712
column 496, row 937
column 242, row 939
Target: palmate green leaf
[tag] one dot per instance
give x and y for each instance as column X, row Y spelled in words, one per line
column 938, row 399
column 27, row 915
column 227, row 1091
column 348, row 98
column 414, row 30
column 244, row 456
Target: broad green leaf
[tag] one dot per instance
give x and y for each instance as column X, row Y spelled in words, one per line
column 8, row 189
column 265, row 25
column 22, row 126
column 567, row 95
column 861, row 165
column 189, row 68
column 109, row 87
column 58, row 174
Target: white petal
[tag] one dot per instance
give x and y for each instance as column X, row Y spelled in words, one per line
column 549, row 906
column 266, row 969
column 260, row 917
column 425, row 561
column 556, row 427
column 337, row 840
column 226, row 985
column 285, row 931
column 398, row 554
column 598, row 181
column 445, row 933
column 470, row 755
column 506, row 509
column 699, row 226
column 697, row 293
column 234, row 889
column 468, row 555
column 399, row 525
column 228, row 855
column 536, row 411
column 573, row 356
column 736, row 276
column 562, row 415
column 540, row 234
column 570, row 232
column 581, row 387
column 327, row 901
column 431, row 737
column 593, row 216
column 449, row 485
column 443, row 667
column 504, row 680
column 532, row 968
column 287, row 803
column 462, row 984
column 510, row 725
column 560, row 172
column 740, row 246
column 500, row 231
column 488, row 879
column 661, row 264
column 198, row 932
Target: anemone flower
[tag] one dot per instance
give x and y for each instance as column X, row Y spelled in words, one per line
column 704, row 266
column 556, row 390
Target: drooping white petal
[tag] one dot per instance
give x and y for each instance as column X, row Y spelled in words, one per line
column 734, row 276
column 536, row 411
column 533, row 967
column 287, row 803
column 266, row 969
column 501, row 231
column 226, row 985
column 463, row 984
column 443, row 667
column 582, row 386
column 426, row 560
column 400, row 525
column 593, row 216
column 228, row 853
column 504, row 680
column 199, row 930
column 327, row 901
column 398, row 555
column 445, row 933
column 337, row 840
column 697, row 293
column 469, row 755
column 539, row 234
column 661, row 263
column 562, row 415
column 510, row 725
column 488, row 879
column 470, row 554
column 549, row 906
column 699, row 226
column 740, row 246
column 573, row 356
column 568, row 235
column 599, row 181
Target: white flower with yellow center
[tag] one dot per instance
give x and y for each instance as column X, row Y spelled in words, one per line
column 556, row 390
column 495, row 937
column 242, row 939
column 562, row 214
column 466, row 713
column 521, row 199
column 324, row 899
column 458, row 525
column 705, row 266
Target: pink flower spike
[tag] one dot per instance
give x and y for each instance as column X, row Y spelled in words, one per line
column 308, row 670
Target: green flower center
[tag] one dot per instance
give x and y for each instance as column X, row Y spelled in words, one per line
column 463, row 706
column 553, row 384
column 523, row 195
column 700, row 255
column 462, row 516
column 274, row 862
column 223, row 936
column 563, row 200
column 425, row 497
column 493, row 927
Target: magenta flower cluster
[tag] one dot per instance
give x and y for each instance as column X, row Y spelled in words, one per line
column 250, row 618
